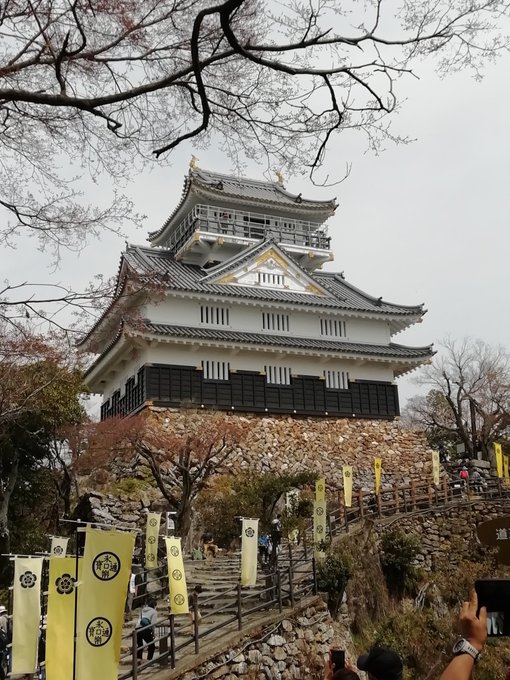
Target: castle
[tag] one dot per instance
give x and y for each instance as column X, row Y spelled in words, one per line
column 228, row 309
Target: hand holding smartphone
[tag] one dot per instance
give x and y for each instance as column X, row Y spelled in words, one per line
column 337, row 658
column 494, row 594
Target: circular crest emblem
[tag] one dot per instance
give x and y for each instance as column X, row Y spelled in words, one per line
column 319, row 510
column 65, row 584
column 249, row 532
column 27, row 579
column 377, row 465
column 177, row 574
column 179, row 599
column 58, row 550
column 320, row 529
column 347, row 473
column 174, row 551
column 320, row 487
column 106, row 566
column 99, row 631
column 151, row 540
column 151, row 557
column 152, row 522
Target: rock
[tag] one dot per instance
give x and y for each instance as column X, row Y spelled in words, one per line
column 276, row 641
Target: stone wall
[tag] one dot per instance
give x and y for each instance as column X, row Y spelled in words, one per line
column 322, row 445
column 448, row 534
column 294, row 648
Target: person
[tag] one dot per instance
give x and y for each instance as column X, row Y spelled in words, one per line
column 145, row 634
column 381, row 663
column 473, row 629
column 4, row 641
column 476, row 481
column 131, row 592
column 191, row 605
column 210, row 547
column 264, row 549
column 464, row 476
column 347, row 673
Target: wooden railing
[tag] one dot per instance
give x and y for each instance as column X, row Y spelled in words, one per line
column 293, row 579
column 295, row 576
column 413, row 497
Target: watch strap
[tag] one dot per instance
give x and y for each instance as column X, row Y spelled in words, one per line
column 463, row 646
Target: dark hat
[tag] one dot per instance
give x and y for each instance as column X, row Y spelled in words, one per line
column 383, row 663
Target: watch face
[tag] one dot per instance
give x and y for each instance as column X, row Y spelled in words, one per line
column 458, row 646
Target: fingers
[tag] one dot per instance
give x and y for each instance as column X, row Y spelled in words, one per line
column 483, row 615
column 473, row 600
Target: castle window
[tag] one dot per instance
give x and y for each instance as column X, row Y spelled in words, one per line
column 337, row 380
column 333, row 328
column 275, row 322
column 214, row 316
column 277, row 375
column 268, row 279
column 215, row 370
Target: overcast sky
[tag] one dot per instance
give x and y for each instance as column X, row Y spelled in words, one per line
column 424, row 222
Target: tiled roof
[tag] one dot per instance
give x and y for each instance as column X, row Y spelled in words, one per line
column 160, row 264
column 392, row 350
column 264, row 191
column 251, row 190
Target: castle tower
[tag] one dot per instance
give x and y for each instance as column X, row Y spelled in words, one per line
column 228, row 309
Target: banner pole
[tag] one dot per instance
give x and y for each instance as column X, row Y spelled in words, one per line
column 75, row 624
column 101, row 524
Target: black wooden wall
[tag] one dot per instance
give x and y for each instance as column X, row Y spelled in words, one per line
column 248, row 391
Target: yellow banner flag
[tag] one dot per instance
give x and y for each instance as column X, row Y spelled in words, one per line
column 151, row 540
column 499, row 459
column 58, row 546
column 102, row 590
column 60, row 618
column 435, row 467
column 505, row 466
column 320, row 489
column 319, row 525
column 26, row 614
column 249, row 549
column 176, row 577
column 347, row 475
column 377, row 468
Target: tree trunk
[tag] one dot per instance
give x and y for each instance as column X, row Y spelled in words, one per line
column 5, row 538
column 183, row 523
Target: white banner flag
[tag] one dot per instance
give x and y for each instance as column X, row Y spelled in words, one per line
column 58, row 546
column 249, row 548
column 26, row 614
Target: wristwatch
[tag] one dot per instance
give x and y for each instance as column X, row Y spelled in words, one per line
column 462, row 646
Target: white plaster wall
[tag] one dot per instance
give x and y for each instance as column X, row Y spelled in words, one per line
column 249, row 319
column 255, row 361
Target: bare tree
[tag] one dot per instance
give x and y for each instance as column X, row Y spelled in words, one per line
column 95, row 89
column 181, row 451
column 469, row 399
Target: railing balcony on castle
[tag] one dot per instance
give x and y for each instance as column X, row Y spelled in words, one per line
column 249, row 225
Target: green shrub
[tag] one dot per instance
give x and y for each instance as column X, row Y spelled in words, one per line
column 398, row 557
column 333, row 574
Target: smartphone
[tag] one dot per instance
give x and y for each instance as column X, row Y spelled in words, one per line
column 337, row 658
column 494, row 594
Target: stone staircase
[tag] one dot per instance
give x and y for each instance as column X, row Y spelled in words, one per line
column 218, row 603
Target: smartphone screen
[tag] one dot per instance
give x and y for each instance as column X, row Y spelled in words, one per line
column 337, row 657
column 495, row 595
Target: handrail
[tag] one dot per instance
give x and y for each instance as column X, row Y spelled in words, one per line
column 295, row 577
column 248, row 225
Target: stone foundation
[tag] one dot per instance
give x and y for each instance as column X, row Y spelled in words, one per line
column 323, row 445
column 295, row 648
